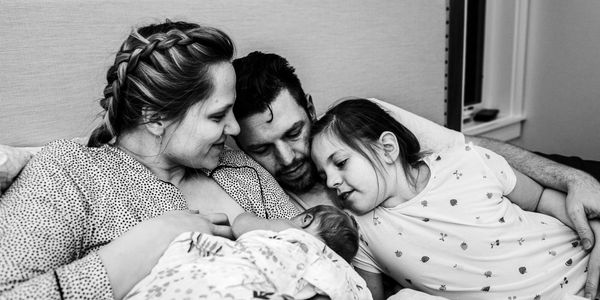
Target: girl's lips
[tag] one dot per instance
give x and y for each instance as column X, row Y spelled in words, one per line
column 344, row 196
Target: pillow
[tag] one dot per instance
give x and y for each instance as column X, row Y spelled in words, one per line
column 12, row 160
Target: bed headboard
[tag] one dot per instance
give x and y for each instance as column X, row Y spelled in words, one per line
column 54, row 54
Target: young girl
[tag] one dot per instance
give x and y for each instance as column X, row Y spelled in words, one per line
column 442, row 222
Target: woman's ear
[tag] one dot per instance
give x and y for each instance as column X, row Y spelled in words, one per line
column 389, row 142
column 153, row 122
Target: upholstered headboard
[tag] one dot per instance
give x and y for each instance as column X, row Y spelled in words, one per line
column 54, row 54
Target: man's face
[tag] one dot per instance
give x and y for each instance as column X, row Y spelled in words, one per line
column 278, row 139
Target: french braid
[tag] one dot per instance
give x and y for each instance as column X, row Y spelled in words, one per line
column 161, row 68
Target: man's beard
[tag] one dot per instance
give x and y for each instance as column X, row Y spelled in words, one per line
column 303, row 183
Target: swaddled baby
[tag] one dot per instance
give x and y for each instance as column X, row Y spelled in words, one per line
column 270, row 259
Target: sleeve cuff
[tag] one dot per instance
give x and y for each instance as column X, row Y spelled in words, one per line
column 85, row 278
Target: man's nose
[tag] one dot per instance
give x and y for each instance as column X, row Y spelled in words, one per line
column 285, row 153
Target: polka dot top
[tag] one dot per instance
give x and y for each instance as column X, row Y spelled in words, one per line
column 252, row 187
column 68, row 201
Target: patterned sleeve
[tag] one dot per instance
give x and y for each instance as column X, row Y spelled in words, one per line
column 432, row 137
column 252, row 187
column 364, row 259
column 42, row 223
column 500, row 167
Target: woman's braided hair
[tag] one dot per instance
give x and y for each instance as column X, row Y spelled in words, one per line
column 162, row 69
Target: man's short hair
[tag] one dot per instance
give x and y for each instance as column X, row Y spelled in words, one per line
column 260, row 79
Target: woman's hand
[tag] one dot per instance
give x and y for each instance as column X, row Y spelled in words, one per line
column 583, row 203
column 130, row 257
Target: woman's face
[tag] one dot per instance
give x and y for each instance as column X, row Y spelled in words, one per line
column 352, row 175
column 198, row 139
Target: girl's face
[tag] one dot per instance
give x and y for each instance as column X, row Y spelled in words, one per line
column 198, row 139
column 358, row 185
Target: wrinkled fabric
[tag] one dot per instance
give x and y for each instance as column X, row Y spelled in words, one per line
column 260, row 264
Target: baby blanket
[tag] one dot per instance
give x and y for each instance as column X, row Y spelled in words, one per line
column 290, row 264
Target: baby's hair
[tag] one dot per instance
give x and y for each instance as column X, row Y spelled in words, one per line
column 338, row 229
column 163, row 69
column 359, row 123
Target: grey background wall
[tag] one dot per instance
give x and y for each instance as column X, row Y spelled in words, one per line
column 54, row 54
column 562, row 81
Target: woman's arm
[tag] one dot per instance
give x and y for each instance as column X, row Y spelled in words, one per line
column 374, row 283
column 583, row 191
column 130, row 257
column 41, row 252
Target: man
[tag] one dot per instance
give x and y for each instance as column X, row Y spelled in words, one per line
column 275, row 116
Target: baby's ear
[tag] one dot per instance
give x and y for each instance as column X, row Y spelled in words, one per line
column 306, row 220
column 389, row 143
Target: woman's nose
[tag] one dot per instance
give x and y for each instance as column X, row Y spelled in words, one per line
column 232, row 127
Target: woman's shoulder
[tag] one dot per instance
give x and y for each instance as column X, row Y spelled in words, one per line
column 77, row 157
column 67, row 151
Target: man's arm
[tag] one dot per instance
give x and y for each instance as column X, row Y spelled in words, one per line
column 551, row 202
column 583, row 191
column 531, row 196
column 432, row 136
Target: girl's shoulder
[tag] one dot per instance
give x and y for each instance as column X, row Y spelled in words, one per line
column 454, row 151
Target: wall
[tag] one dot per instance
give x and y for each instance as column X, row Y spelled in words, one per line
column 54, row 54
column 562, row 85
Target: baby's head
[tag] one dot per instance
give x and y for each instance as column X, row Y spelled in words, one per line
column 359, row 149
column 332, row 225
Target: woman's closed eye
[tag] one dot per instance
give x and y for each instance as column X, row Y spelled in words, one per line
column 218, row 118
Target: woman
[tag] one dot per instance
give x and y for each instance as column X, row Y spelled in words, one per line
column 89, row 222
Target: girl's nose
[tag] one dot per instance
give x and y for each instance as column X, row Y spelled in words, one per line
column 334, row 181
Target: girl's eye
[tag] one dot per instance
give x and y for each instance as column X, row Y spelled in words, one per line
column 341, row 164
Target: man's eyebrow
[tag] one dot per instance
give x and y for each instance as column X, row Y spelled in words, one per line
column 295, row 126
